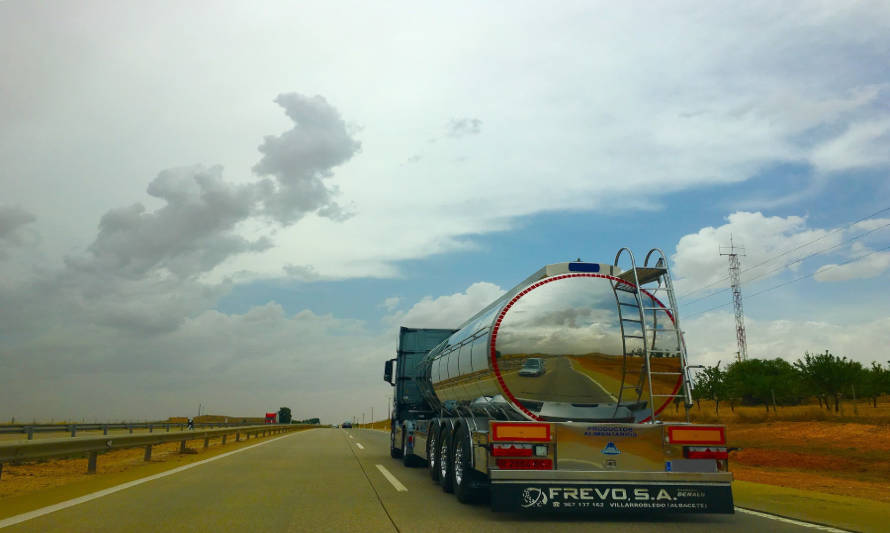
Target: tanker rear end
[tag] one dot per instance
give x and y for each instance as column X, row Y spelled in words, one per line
column 550, row 399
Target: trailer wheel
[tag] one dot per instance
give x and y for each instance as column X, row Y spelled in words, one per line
column 432, row 452
column 464, row 477
column 445, row 460
column 394, row 452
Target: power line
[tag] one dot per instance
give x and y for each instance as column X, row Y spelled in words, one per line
column 819, row 252
column 839, row 228
column 786, row 265
column 811, row 274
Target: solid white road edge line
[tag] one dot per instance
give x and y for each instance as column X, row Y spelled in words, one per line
column 792, row 521
column 360, row 447
column 392, row 479
column 19, row 518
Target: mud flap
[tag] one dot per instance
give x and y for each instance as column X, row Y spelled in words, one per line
column 612, row 497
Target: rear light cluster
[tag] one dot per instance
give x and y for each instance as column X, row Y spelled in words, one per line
column 698, row 452
column 527, row 448
column 519, row 450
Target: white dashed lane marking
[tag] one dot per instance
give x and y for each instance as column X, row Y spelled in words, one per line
column 392, row 479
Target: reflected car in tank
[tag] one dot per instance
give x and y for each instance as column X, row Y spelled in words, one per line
column 533, row 367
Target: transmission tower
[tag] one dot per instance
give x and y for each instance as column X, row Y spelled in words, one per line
column 733, row 252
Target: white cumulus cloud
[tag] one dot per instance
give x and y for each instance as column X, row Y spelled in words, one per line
column 711, row 338
column 448, row 311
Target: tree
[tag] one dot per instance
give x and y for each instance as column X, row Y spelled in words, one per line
column 828, row 374
column 710, row 384
column 873, row 382
column 757, row 381
column 284, row 415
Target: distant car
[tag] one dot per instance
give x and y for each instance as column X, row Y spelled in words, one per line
column 533, row 367
column 346, row 425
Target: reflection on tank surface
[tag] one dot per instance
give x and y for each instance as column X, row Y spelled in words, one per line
column 573, row 327
column 532, row 367
column 561, row 353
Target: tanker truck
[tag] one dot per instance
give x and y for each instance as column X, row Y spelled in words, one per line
column 553, row 397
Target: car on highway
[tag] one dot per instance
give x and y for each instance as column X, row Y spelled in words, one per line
column 346, row 425
column 533, row 367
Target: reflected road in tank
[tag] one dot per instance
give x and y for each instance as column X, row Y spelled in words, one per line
column 560, row 383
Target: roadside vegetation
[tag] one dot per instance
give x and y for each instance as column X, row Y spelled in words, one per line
column 826, row 378
column 821, row 423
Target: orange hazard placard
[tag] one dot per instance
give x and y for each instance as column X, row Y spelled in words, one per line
column 696, row 435
column 520, row 432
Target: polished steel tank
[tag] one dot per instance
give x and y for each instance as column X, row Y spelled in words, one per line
column 565, row 344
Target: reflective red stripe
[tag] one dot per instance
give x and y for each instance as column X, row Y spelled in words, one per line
column 525, row 464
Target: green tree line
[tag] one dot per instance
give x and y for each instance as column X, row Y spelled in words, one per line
column 767, row 382
column 285, row 416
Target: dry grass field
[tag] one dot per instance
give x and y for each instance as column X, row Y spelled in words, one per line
column 807, row 447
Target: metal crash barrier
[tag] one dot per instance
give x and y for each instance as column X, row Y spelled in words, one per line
column 25, row 450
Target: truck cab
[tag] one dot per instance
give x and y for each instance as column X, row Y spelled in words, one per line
column 409, row 404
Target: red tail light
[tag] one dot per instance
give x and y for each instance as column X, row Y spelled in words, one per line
column 696, row 452
column 525, row 464
column 512, row 450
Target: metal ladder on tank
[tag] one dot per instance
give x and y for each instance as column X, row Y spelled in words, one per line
column 637, row 277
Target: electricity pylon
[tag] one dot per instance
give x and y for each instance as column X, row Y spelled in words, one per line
column 736, row 280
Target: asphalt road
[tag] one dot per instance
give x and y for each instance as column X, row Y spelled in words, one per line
column 329, row 480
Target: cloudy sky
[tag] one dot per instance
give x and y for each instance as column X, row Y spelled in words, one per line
column 237, row 206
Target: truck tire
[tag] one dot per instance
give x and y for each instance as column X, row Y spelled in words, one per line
column 432, row 452
column 408, row 459
column 464, row 478
column 394, row 452
column 445, row 460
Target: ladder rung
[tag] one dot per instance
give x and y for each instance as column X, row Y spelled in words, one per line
column 668, row 373
column 634, row 337
column 631, row 320
column 667, row 395
column 629, row 304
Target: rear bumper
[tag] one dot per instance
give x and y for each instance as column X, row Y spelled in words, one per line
column 610, row 492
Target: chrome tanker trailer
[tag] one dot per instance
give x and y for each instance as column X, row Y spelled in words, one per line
column 552, row 398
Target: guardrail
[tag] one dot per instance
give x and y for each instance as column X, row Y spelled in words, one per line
column 21, row 450
column 31, row 429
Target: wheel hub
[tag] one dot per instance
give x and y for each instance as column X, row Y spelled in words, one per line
column 443, row 458
column 459, row 463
